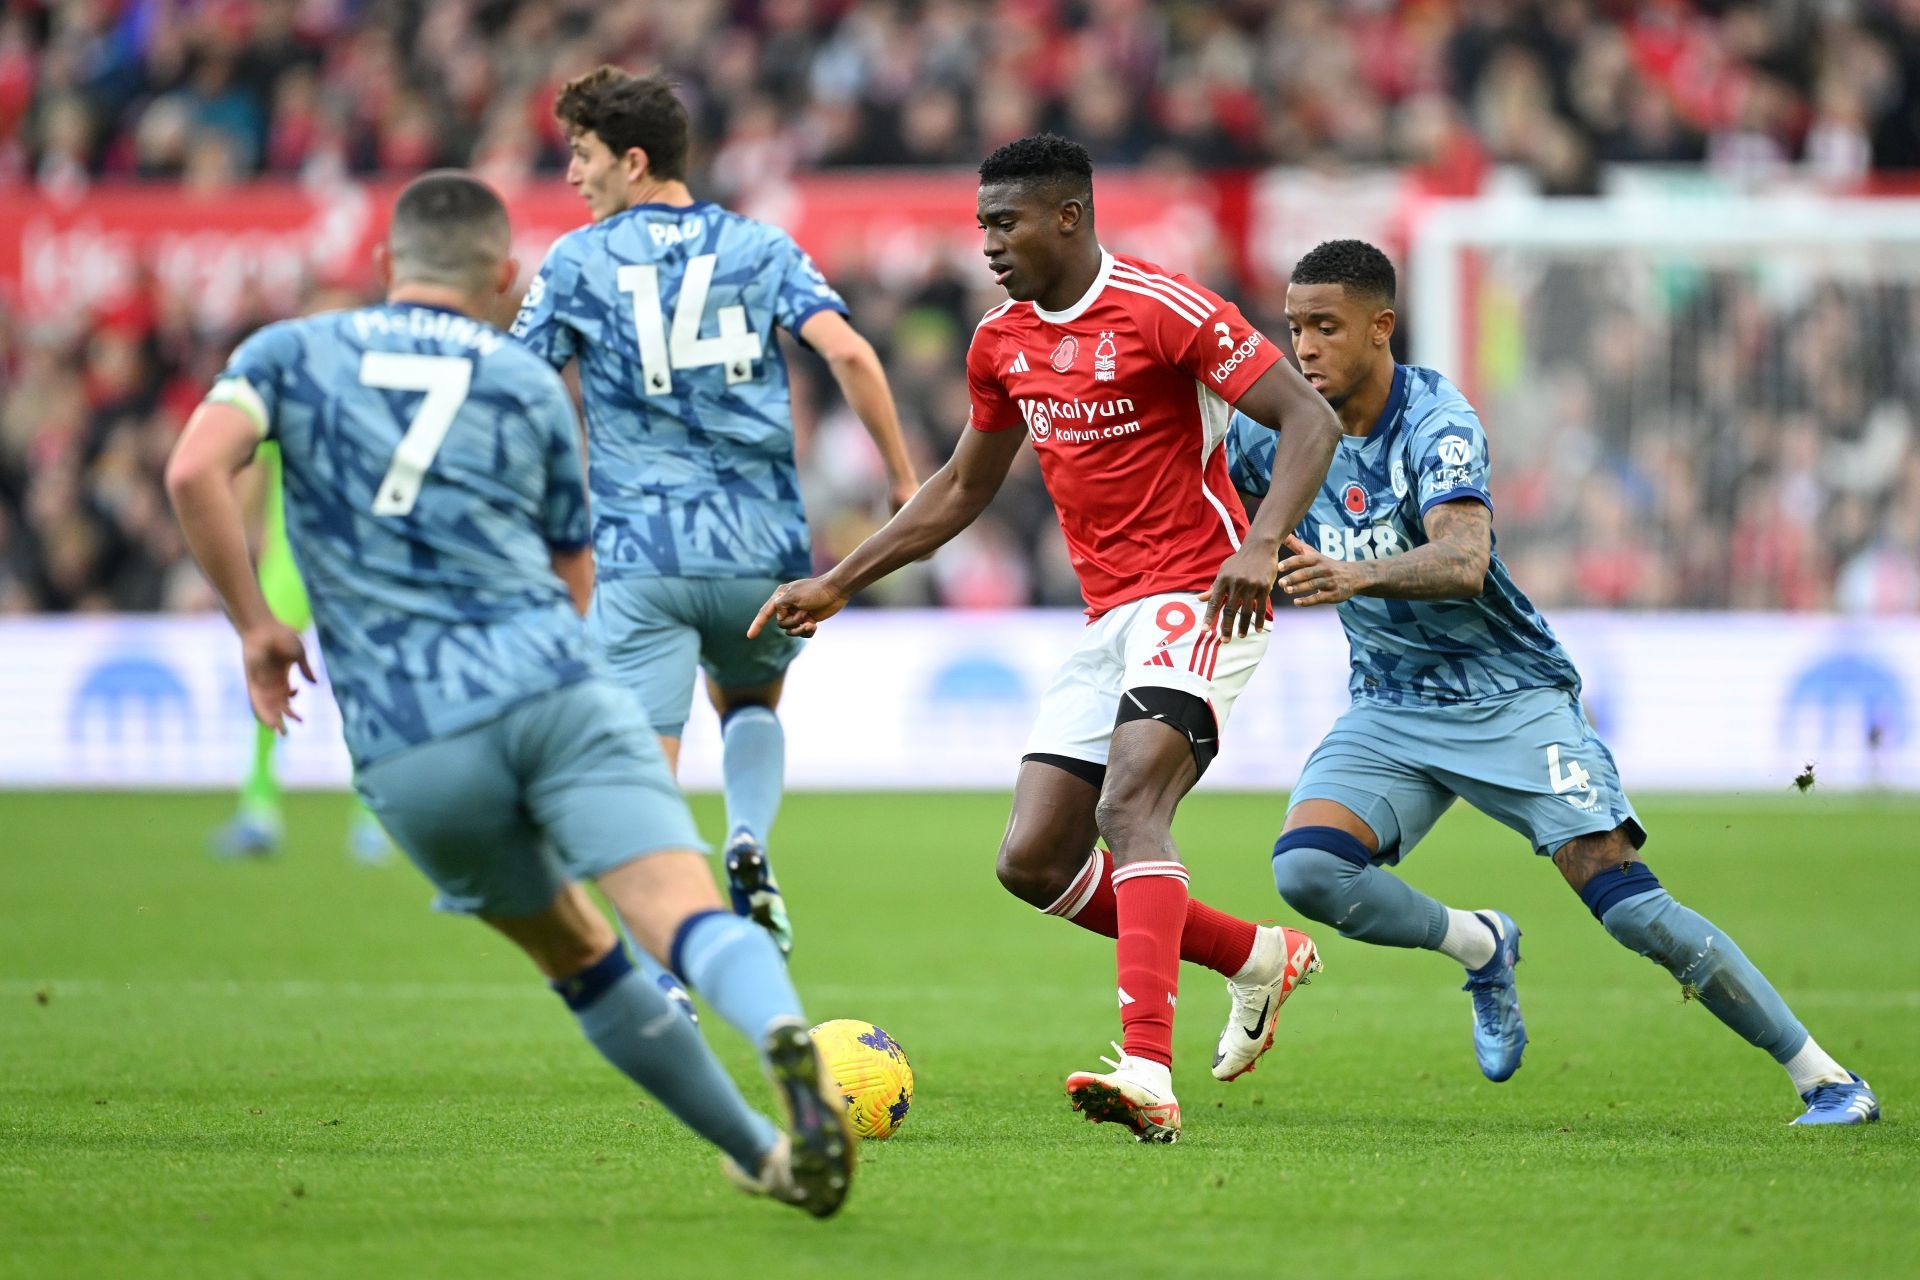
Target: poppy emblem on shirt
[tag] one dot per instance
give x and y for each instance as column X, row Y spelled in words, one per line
column 1065, row 354
column 1355, row 500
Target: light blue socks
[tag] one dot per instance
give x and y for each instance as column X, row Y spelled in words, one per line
column 735, row 967
column 753, row 762
column 1327, row 875
column 636, row 1028
column 1631, row 904
column 649, row 968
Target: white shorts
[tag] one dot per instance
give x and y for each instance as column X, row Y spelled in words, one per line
column 1155, row 642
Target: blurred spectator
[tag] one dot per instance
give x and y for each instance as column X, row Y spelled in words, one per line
column 1565, row 88
column 1720, row 440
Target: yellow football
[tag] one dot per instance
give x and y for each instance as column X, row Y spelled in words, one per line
column 872, row 1071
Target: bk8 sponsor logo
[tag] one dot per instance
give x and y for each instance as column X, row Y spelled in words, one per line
column 1369, row 542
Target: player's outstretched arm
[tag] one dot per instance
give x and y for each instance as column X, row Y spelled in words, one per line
column 863, row 381
column 217, row 444
column 1450, row 565
column 1282, row 401
column 951, row 499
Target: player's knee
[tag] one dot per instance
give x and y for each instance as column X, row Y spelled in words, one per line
column 1584, row 858
column 747, row 707
column 1314, row 867
column 563, row 955
column 1031, row 874
column 1127, row 816
column 1306, row 879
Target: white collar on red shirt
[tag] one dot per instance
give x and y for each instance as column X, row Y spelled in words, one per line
column 1079, row 308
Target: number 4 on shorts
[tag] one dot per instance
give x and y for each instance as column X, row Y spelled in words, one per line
column 1573, row 778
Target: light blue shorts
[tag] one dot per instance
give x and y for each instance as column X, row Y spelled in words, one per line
column 1527, row 759
column 656, row 631
column 563, row 787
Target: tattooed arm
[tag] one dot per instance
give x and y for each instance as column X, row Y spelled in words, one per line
column 1451, row 565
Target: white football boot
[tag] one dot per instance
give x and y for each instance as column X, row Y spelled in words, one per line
column 1282, row 960
column 1138, row 1093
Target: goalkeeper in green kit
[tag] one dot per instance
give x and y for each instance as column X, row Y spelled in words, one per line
column 256, row 828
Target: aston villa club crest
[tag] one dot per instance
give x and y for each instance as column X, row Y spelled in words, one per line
column 1355, row 500
column 1103, row 357
column 1065, row 354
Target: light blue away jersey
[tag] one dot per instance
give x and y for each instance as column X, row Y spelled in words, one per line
column 431, row 465
column 1428, row 447
column 671, row 311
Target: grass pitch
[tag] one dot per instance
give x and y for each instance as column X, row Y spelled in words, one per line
column 291, row 1068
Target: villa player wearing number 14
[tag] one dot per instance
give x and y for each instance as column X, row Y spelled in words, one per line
column 670, row 305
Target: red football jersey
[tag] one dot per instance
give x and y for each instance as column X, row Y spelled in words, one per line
column 1126, row 397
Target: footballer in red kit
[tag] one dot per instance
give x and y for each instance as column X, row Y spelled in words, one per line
column 1123, row 376
column 1126, row 396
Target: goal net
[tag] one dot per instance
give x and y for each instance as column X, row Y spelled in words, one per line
column 1693, row 403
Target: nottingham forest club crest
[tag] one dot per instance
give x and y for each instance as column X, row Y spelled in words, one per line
column 1103, row 357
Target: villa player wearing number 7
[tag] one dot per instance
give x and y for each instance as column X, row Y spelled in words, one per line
column 435, row 503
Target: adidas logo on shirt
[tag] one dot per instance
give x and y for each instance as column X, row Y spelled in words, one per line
column 1019, row 364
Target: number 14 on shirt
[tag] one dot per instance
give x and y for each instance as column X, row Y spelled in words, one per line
column 663, row 350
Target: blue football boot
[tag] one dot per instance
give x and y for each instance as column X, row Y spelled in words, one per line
column 367, row 841
column 1845, row 1102
column 254, row 832
column 1499, row 1032
column 662, row 976
column 677, row 996
column 755, row 895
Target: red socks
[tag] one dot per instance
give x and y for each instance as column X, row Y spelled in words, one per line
column 1221, row 942
column 1151, row 903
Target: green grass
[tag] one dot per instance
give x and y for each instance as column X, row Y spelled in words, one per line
column 292, row 1068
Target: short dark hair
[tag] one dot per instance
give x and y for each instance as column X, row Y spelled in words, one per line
column 628, row 111
column 1043, row 160
column 448, row 228
column 1353, row 264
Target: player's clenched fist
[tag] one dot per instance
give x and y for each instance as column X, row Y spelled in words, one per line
column 798, row 608
column 1307, row 577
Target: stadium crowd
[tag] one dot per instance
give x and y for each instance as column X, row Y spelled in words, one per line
column 212, row 88
column 1714, row 447
column 1798, row 489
